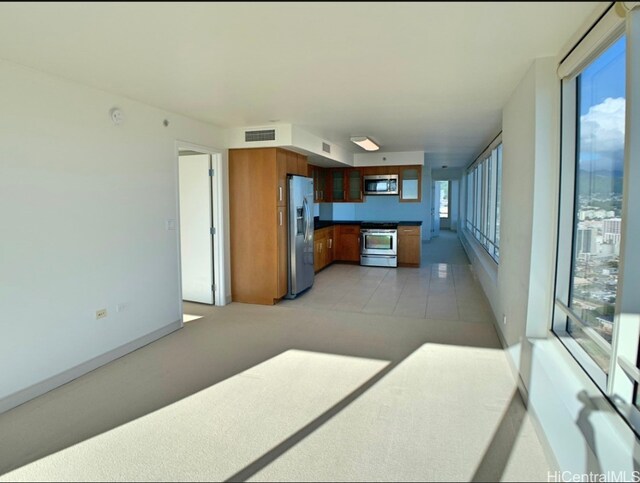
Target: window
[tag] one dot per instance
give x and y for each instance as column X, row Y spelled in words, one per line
column 483, row 191
column 596, row 214
column 595, row 314
column 598, row 202
column 443, row 189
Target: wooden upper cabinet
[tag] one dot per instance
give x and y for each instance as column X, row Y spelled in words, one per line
column 368, row 170
column 345, row 184
column 410, row 180
column 296, row 163
column 301, row 165
column 292, row 162
column 338, row 189
column 319, row 176
column 354, row 190
column 323, row 192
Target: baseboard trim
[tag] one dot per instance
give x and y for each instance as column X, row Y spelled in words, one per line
column 40, row 388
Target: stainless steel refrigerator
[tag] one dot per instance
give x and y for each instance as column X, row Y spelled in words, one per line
column 300, row 234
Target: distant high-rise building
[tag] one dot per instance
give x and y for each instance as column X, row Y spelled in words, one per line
column 611, row 230
column 586, row 241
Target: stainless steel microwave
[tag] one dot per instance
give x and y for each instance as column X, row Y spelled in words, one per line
column 381, row 184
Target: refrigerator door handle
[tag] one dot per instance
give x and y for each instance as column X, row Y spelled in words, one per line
column 307, row 215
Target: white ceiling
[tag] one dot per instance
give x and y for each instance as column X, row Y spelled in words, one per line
column 414, row 76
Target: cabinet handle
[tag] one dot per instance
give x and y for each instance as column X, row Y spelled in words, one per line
column 280, row 192
column 280, row 213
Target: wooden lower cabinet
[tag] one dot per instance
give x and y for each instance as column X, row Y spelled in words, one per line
column 409, row 246
column 329, row 256
column 319, row 250
column 336, row 243
column 348, row 243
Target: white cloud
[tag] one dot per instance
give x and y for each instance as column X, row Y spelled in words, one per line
column 602, row 129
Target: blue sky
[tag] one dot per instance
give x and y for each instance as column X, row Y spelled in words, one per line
column 602, row 110
column 604, row 78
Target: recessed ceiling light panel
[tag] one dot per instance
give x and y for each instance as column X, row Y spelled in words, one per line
column 365, row 143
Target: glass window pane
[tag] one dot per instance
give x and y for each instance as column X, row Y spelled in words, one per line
column 338, row 185
column 409, row 184
column 355, row 184
column 491, row 214
column 598, row 201
column 498, row 197
column 478, row 202
column 444, row 199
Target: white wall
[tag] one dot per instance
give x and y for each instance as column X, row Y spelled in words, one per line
column 582, row 432
column 84, row 205
column 389, row 159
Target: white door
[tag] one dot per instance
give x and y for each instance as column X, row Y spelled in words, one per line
column 196, row 241
column 435, row 209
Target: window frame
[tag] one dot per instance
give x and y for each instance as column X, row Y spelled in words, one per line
column 617, row 384
column 482, row 220
column 448, row 217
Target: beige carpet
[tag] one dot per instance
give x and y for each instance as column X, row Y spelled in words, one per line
column 284, row 394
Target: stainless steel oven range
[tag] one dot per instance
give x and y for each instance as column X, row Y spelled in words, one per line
column 379, row 244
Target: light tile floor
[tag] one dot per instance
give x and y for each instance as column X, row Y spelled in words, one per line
column 443, row 291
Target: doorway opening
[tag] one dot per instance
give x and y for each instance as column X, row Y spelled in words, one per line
column 445, row 206
column 200, row 216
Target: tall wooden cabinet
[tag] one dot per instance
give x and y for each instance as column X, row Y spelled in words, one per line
column 258, row 218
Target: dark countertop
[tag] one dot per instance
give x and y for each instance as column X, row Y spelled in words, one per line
column 318, row 224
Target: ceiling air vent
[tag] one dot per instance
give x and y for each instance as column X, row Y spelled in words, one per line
column 326, row 147
column 264, row 135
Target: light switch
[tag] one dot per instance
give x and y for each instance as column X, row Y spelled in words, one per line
column 171, row 225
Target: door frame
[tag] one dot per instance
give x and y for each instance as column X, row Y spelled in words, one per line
column 435, row 208
column 217, row 218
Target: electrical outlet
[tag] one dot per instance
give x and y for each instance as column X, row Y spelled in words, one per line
column 101, row 314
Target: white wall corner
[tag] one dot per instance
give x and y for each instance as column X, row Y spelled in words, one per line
column 310, row 143
column 546, row 166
